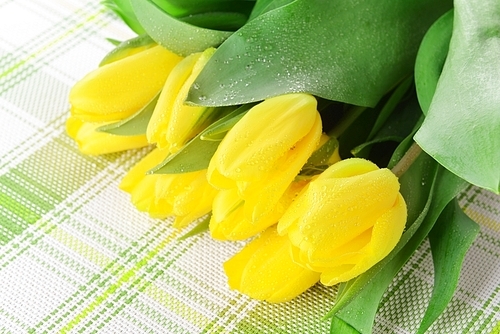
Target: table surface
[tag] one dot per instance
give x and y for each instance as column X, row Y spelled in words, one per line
column 75, row 256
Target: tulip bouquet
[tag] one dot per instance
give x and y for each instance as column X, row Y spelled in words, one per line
column 333, row 136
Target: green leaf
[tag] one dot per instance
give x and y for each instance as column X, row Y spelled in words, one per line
column 217, row 131
column 217, row 20
column 134, row 125
column 396, row 128
column 113, row 41
column 175, row 35
column 128, row 47
column 431, row 57
column 186, row 8
column 357, row 132
column 124, row 10
column 264, row 6
column 405, row 145
column 200, row 228
column 339, row 326
column 343, row 50
column 390, row 106
column 196, row 154
column 450, row 238
column 427, row 189
column 324, row 153
column 461, row 130
column 319, row 160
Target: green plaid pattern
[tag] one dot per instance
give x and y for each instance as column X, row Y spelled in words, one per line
column 75, row 255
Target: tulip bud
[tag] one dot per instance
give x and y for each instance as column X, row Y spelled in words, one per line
column 186, row 196
column 263, row 153
column 346, row 220
column 189, row 195
column 141, row 186
column 173, row 123
column 264, row 270
column 119, row 89
column 93, row 142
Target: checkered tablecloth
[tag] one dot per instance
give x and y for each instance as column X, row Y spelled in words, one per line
column 75, row 255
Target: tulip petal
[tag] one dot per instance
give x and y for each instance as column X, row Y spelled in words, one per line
column 136, row 173
column 279, row 180
column 158, row 125
column 92, row 142
column 117, row 90
column 264, row 270
column 173, row 123
column 267, row 132
column 228, row 221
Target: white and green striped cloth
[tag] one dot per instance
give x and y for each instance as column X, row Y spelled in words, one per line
column 76, row 256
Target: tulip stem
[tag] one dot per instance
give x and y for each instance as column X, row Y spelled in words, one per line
column 346, row 121
column 407, row 160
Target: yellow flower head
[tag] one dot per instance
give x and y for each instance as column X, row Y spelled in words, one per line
column 141, row 186
column 121, row 88
column 186, row 196
column 228, row 221
column 264, row 270
column 262, row 154
column 346, row 220
column 93, row 142
column 173, row 123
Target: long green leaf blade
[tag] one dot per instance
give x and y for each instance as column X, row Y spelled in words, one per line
column 450, row 239
column 263, row 6
column 194, row 156
column 201, row 227
column 431, row 57
column 339, row 326
column 175, row 35
column 124, row 10
column 217, row 20
column 462, row 128
column 396, row 128
column 186, row 8
column 128, row 47
column 134, row 125
column 330, row 49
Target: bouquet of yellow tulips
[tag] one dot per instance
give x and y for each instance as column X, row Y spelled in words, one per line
column 332, row 136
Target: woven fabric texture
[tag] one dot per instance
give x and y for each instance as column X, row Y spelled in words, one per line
column 75, row 255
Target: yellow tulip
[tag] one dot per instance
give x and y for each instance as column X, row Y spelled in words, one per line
column 263, row 153
column 121, row 88
column 186, row 196
column 93, row 142
column 264, row 270
column 346, row 220
column 173, row 123
column 228, row 221
column 141, row 186
column 189, row 195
